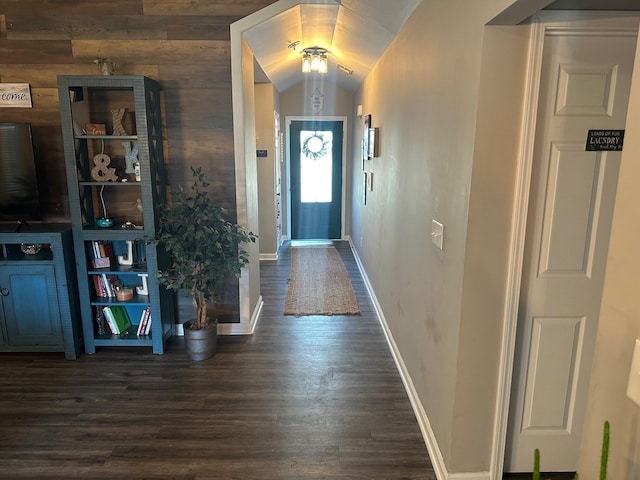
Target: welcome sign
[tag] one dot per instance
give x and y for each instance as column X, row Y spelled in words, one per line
column 15, row 95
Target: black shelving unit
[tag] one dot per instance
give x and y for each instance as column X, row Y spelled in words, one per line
column 129, row 198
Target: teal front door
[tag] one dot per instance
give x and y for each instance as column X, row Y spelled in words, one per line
column 316, row 179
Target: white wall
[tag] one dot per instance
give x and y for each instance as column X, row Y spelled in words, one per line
column 447, row 98
column 265, row 95
column 244, row 124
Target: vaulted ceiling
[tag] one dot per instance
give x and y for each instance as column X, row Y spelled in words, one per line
column 355, row 33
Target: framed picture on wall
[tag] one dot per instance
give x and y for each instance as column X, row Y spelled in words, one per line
column 364, row 187
column 373, row 142
column 365, row 137
column 364, row 154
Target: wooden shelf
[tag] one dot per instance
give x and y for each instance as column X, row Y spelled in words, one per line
column 92, row 99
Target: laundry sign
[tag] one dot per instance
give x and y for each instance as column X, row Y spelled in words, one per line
column 600, row 140
column 15, row 95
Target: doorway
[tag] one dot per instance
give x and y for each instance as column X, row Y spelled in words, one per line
column 584, row 82
column 315, row 178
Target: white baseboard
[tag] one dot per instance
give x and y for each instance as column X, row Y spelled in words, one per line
column 179, row 330
column 270, row 257
column 469, row 476
column 234, row 328
column 428, row 436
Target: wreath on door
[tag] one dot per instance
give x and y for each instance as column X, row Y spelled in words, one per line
column 315, row 146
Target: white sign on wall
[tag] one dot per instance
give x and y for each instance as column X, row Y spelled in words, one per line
column 15, row 95
column 316, row 101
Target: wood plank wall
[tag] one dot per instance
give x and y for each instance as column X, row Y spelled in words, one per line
column 184, row 44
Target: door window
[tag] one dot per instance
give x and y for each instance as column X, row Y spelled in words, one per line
column 316, row 164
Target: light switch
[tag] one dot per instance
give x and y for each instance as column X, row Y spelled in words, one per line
column 437, row 233
column 633, row 387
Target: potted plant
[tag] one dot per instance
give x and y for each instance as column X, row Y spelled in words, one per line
column 205, row 249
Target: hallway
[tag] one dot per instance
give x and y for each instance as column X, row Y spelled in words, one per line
column 303, row 398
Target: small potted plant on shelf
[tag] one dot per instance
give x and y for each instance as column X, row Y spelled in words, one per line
column 206, row 249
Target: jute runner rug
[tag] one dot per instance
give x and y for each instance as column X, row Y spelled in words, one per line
column 319, row 284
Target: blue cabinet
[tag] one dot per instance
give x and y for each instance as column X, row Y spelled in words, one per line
column 38, row 292
column 30, row 305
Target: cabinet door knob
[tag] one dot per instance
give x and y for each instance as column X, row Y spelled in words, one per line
column 4, row 292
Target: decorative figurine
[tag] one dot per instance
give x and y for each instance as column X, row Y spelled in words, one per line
column 118, row 118
column 130, row 156
column 105, row 66
column 102, row 172
column 128, row 258
column 144, row 289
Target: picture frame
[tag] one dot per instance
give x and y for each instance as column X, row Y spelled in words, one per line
column 364, row 187
column 374, row 138
column 365, row 137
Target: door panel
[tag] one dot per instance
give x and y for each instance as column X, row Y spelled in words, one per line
column 571, row 215
column 550, row 397
column 31, row 320
column 316, row 179
column 585, row 81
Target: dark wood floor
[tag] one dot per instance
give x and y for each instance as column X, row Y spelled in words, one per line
column 304, row 398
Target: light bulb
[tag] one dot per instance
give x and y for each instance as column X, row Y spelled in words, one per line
column 315, row 63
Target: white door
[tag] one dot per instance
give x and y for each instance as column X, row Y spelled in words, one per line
column 585, row 81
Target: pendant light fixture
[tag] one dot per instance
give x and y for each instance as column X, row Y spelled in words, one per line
column 314, row 60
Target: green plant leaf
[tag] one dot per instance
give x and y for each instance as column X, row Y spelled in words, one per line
column 205, row 246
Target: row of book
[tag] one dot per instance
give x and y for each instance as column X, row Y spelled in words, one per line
column 144, row 327
column 106, row 285
column 101, row 254
column 115, row 320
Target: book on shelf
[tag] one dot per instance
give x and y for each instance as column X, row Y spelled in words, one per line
column 147, row 327
column 100, row 254
column 108, row 251
column 109, row 320
column 106, row 285
column 101, row 323
column 145, row 322
column 117, row 319
column 97, row 284
column 121, row 317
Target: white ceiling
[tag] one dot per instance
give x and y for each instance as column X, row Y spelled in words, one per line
column 355, row 33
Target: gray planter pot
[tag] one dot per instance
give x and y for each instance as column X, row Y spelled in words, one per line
column 201, row 344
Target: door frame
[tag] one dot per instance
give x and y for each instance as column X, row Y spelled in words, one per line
column 287, row 142
column 542, row 23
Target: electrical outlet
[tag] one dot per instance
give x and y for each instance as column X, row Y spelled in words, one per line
column 633, row 387
column 437, row 233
